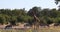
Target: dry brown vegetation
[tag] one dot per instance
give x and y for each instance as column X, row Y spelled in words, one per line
column 41, row 29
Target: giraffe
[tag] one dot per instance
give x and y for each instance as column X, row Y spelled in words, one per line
column 37, row 20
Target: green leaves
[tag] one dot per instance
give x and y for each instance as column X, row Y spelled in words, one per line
column 46, row 16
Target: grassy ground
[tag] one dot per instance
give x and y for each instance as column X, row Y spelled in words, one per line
column 50, row 29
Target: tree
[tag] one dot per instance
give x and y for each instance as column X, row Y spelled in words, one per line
column 45, row 12
column 57, row 1
column 33, row 11
column 18, row 12
column 2, row 19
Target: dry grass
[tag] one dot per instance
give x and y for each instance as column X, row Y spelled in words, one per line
column 41, row 29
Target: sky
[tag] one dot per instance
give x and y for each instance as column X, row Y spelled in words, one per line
column 27, row 4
